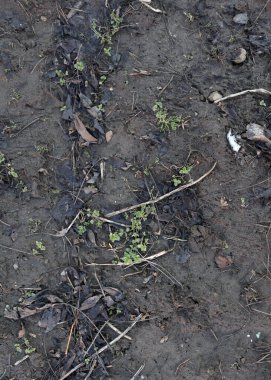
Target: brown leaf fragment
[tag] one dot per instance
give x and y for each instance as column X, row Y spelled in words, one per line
column 20, row 313
column 108, row 136
column 21, row 333
column 82, row 130
column 223, row 261
column 224, row 203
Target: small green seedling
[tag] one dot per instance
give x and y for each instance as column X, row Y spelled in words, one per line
column 166, row 122
column 25, row 347
column 2, row 158
column 134, row 237
column 62, row 76
column 12, row 172
column 39, row 247
column 102, row 79
column 262, row 103
column 105, row 34
column 183, row 171
column 42, row 148
column 79, row 65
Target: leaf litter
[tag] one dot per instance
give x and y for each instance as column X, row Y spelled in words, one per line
column 83, row 311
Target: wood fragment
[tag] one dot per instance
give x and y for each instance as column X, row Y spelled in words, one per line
column 156, row 200
column 253, row 91
column 143, row 260
column 147, row 4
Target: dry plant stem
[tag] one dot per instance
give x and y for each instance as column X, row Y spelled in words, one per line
column 64, row 232
column 181, row 366
column 138, row 372
column 15, row 250
column 145, row 2
column 118, row 331
column 103, row 348
column 137, row 319
column 69, row 338
column 259, row 15
column 156, row 200
column 27, row 125
column 254, row 91
column 143, row 260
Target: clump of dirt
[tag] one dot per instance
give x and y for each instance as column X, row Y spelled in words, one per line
column 134, row 163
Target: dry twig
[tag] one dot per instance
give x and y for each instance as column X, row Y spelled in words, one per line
column 162, row 197
column 143, row 260
column 147, row 4
column 254, row 91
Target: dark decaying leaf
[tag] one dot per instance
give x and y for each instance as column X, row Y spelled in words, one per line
column 95, row 112
column 108, row 301
column 68, row 111
column 90, row 302
column 115, row 293
column 50, row 318
column 86, row 102
column 82, row 130
column 20, row 313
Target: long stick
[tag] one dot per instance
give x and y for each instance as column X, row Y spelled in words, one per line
column 254, row 91
column 120, row 264
column 155, row 200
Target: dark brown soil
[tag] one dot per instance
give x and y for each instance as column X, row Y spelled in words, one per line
column 206, row 303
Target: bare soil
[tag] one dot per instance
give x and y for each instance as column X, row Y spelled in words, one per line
column 205, row 305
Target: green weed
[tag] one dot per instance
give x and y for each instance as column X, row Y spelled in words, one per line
column 62, row 76
column 179, row 179
column 25, row 347
column 134, row 237
column 166, row 122
column 39, row 248
column 105, row 34
column 79, row 65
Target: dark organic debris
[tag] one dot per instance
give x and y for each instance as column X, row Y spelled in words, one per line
column 83, row 311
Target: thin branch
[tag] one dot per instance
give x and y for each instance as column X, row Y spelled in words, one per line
column 162, row 197
column 27, row 125
column 64, row 231
column 142, row 260
column 254, row 91
column 137, row 319
column 138, row 372
column 147, row 4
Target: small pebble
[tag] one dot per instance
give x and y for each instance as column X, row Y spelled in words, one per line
column 240, row 56
column 241, row 18
column 215, row 95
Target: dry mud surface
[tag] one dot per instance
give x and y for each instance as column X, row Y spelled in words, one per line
column 200, row 311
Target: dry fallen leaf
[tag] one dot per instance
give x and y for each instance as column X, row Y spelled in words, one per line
column 82, row 130
column 223, row 261
column 223, row 203
column 108, row 136
column 21, row 333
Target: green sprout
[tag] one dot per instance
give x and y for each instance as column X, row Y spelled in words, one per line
column 166, row 122
column 79, row 65
column 39, row 247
